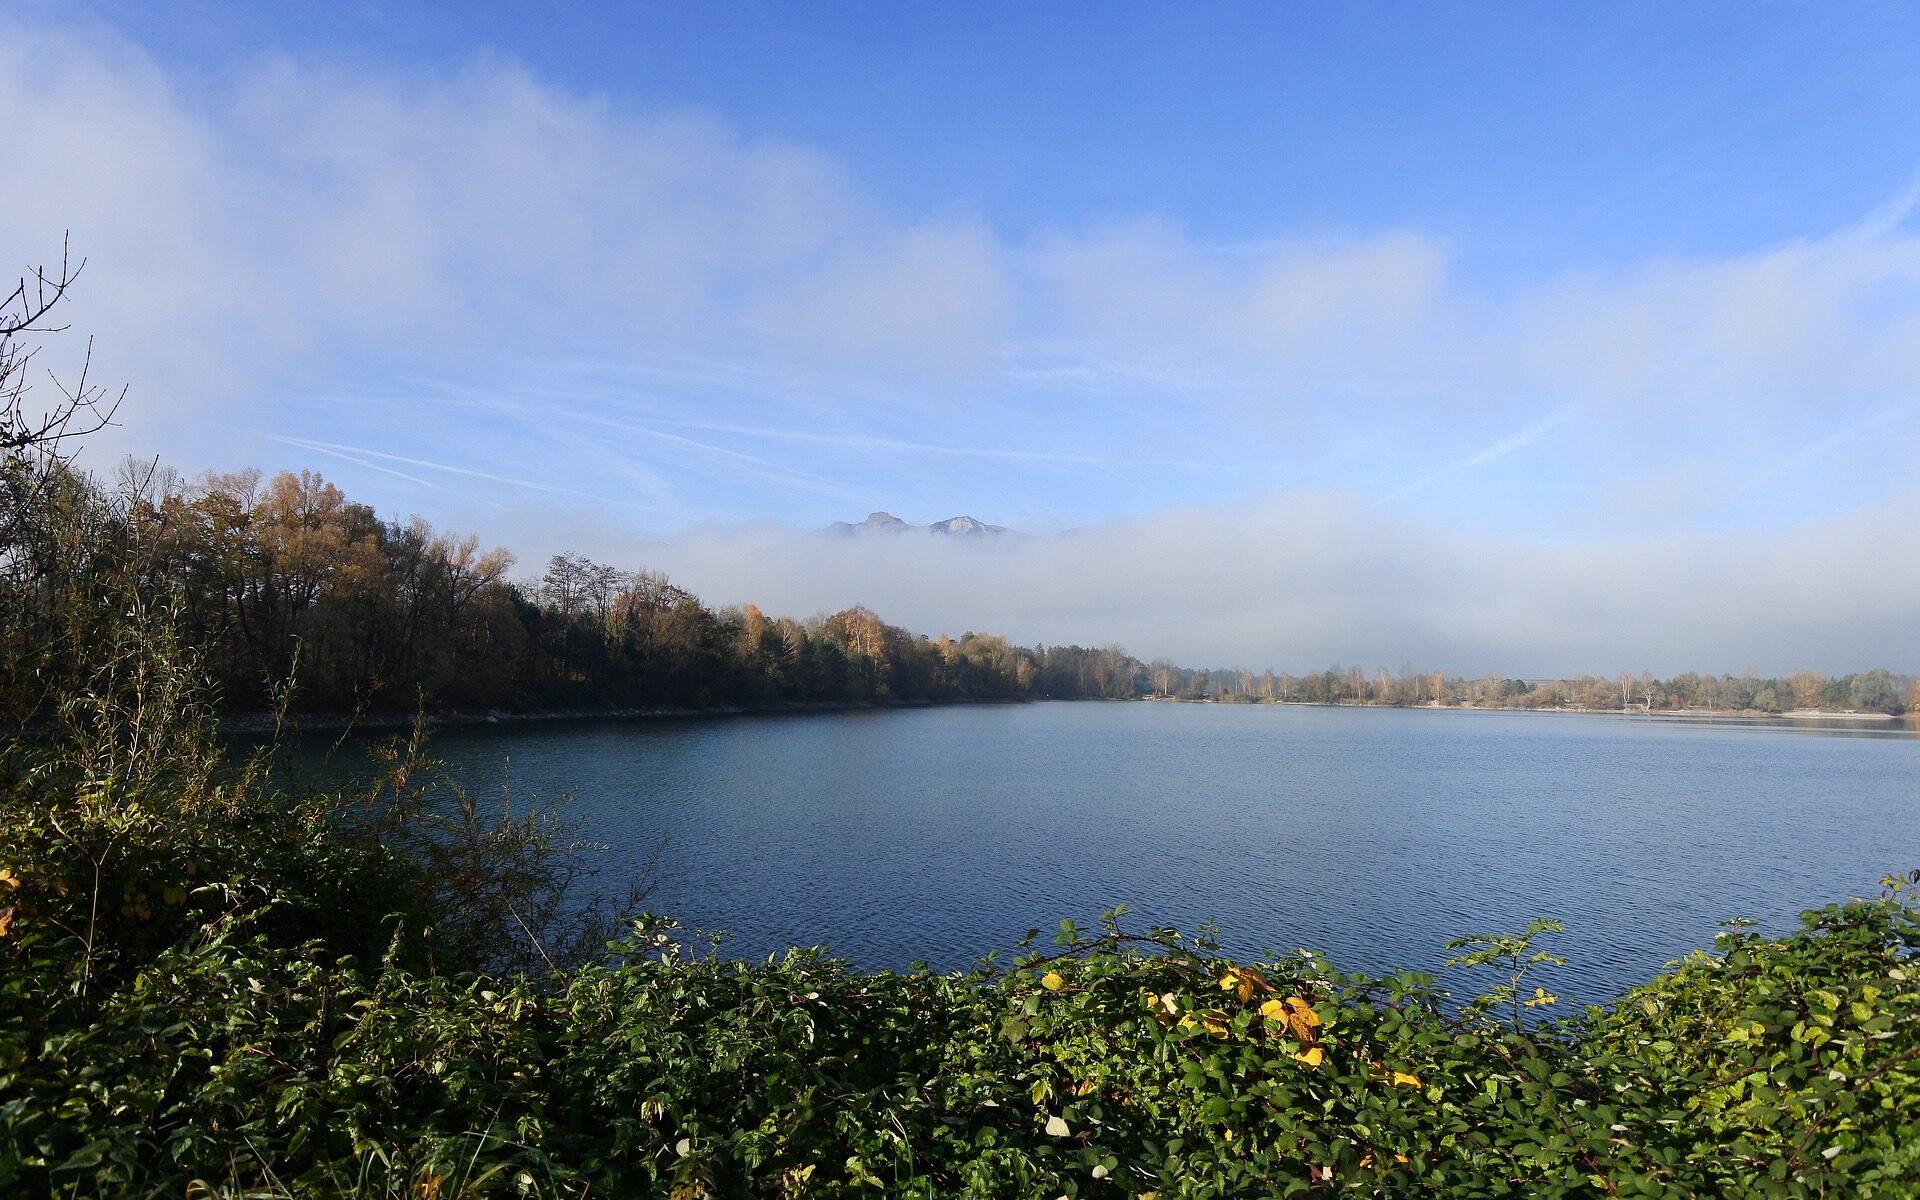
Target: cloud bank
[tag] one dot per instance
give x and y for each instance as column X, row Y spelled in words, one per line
column 1299, row 582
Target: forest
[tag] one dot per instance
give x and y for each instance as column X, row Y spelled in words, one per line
column 283, row 585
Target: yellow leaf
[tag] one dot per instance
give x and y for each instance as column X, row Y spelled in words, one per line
column 1402, row 1079
column 1052, row 981
column 1230, row 981
column 1274, row 1010
column 1229, row 1135
column 1313, row 1056
column 8, row 879
column 6, row 920
column 1300, row 1017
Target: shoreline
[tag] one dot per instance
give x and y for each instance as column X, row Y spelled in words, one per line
column 261, row 724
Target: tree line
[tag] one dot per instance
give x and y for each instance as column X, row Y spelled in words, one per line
column 1874, row 691
column 284, row 578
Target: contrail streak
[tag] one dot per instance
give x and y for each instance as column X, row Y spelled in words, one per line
column 338, row 448
column 1493, row 451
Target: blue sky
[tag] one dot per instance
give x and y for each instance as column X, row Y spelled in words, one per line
column 1593, row 136
column 1551, row 294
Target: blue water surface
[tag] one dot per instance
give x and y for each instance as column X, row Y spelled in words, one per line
column 1371, row 834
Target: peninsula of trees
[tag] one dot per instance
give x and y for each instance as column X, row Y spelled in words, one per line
column 266, row 580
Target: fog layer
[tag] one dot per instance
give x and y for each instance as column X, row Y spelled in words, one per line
column 1298, row 582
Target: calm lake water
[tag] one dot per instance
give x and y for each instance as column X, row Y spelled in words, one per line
column 1371, row 834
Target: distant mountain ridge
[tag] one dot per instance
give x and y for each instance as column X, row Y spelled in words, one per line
column 886, row 522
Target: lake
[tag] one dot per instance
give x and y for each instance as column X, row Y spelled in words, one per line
column 1372, row 834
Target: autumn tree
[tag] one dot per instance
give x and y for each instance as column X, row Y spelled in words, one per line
column 1808, row 688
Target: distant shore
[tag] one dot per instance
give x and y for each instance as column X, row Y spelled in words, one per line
column 1798, row 714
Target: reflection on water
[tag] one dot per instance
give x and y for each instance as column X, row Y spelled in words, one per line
column 1372, row 834
column 1823, row 726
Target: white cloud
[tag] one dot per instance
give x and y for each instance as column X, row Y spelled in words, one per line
column 1147, row 290
column 1835, row 320
column 296, row 223
column 931, row 296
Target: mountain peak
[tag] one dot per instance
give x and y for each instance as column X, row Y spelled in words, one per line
column 962, row 526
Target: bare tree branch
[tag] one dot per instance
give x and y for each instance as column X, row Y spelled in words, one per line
column 33, row 440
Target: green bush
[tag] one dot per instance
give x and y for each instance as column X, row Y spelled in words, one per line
column 1118, row 1065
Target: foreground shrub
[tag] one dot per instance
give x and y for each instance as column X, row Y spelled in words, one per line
column 1115, row 1066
